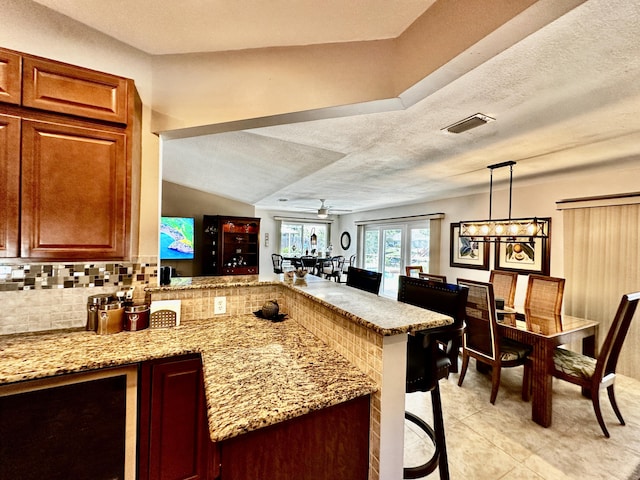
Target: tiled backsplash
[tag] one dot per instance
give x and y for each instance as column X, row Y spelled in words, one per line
column 40, row 296
column 37, row 276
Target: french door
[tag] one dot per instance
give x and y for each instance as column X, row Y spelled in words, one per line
column 389, row 248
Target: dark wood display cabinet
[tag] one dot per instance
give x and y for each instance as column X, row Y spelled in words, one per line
column 231, row 245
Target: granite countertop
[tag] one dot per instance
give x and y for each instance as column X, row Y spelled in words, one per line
column 256, row 372
column 385, row 316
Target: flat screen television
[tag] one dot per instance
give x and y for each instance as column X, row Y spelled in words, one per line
column 176, row 238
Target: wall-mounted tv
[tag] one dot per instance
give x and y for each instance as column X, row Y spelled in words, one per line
column 176, row 238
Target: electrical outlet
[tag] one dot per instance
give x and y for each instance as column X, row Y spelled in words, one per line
column 219, row 305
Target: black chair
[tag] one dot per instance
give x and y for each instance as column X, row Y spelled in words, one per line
column 427, row 363
column 308, row 263
column 442, row 298
column 277, row 263
column 334, row 270
column 362, row 279
column 593, row 374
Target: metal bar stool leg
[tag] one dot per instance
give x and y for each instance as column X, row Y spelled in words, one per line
column 437, row 436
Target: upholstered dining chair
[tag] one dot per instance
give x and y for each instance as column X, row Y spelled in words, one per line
column 504, row 286
column 544, row 294
column 309, row 263
column 433, row 277
column 439, row 297
column 593, row 374
column 277, row 260
column 427, row 363
column 413, row 270
column 482, row 339
column 362, row 279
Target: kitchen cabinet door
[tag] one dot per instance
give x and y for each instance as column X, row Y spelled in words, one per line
column 178, row 434
column 75, row 192
column 62, row 88
column 10, row 77
column 9, row 185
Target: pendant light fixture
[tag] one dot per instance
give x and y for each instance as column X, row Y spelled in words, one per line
column 508, row 229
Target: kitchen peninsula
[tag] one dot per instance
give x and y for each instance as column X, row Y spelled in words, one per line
column 258, row 373
column 368, row 330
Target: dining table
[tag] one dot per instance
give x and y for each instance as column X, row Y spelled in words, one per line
column 319, row 263
column 544, row 332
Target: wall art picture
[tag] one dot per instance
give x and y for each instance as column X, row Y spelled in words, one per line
column 466, row 253
column 524, row 257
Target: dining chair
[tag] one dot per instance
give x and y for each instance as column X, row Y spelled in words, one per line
column 309, row 263
column 277, row 260
column 427, row 363
column 348, row 263
column 413, row 270
column 433, row 277
column 504, row 286
column 362, row 279
column 333, row 270
column 544, row 294
column 482, row 339
column 593, row 374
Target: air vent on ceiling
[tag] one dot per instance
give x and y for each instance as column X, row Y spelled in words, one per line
column 468, row 123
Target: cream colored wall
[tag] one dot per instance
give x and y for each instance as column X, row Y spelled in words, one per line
column 530, row 198
column 30, row 28
column 208, row 88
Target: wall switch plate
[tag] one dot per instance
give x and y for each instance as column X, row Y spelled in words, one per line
column 219, row 305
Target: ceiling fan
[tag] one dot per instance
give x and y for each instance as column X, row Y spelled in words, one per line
column 325, row 210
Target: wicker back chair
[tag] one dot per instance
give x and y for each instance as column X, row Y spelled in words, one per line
column 482, row 339
column 544, row 294
column 504, row 286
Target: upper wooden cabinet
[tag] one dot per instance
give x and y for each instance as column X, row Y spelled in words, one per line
column 68, row 136
column 51, row 86
column 10, row 77
column 74, row 192
column 57, row 87
column 9, row 185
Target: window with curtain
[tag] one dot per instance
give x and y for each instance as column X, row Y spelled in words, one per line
column 295, row 238
column 601, row 263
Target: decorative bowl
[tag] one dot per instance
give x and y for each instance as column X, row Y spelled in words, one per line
column 301, row 273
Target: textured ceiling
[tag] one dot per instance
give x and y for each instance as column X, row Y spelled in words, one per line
column 565, row 98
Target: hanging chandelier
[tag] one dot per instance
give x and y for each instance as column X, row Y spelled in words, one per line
column 507, row 229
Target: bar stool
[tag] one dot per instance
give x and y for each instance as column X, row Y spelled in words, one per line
column 426, row 365
column 428, row 361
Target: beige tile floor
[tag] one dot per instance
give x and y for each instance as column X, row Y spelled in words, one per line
column 491, row 442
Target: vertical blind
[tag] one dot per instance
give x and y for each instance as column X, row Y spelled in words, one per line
column 602, row 262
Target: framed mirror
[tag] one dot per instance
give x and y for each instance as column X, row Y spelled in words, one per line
column 345, row 240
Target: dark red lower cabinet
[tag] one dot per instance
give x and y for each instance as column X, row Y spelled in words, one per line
column 324, row 445
column 174, row 436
